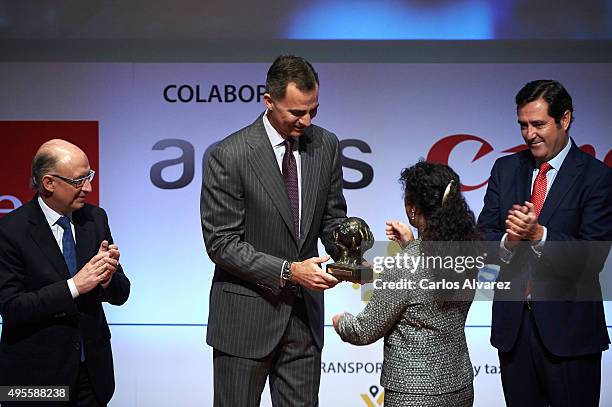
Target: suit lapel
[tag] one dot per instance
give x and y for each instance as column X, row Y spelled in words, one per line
column 43, row 237
column 523, row 176
column 85, row 238
column 310, row 175
column 265, row 167
column 564, row 180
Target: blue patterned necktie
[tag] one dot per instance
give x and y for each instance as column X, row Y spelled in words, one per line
column 68, row 245
column 69, row 252
column 291, row 181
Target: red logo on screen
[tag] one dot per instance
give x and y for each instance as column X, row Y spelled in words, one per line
column 21, row 139
column 440, row 152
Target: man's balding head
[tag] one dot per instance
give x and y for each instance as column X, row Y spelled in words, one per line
column 54, row 160
column 49, row 155
column 60, row 148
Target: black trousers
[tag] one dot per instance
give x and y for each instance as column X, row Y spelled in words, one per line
column 81, row 394
column 532, row 376
column 293, row 369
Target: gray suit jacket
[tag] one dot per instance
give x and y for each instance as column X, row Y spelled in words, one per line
column 425, row 350
column 248, row 232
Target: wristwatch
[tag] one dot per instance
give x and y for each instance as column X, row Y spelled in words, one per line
column 286, row 274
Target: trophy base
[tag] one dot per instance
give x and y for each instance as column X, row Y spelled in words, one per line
column 354, row 274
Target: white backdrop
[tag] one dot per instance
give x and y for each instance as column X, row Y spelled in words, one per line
column 399, row 110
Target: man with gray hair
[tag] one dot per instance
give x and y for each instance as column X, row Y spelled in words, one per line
column 58, row 264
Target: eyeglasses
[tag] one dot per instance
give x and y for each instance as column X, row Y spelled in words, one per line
column 78, row 182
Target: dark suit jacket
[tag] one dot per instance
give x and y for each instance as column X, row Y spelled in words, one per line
column 42, row 325
column 577, row 210
column 248, row 232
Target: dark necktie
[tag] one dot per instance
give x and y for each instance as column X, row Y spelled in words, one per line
column 68, row 245
column 291, row 181
column 538, row 196
column 69, row 252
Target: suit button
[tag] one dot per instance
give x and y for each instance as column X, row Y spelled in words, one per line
column 77, row 345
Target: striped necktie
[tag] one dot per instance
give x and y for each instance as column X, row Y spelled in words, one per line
column 291, row 181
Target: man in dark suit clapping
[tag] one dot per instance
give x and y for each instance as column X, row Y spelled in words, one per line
column 549, row 210
column 58, row 264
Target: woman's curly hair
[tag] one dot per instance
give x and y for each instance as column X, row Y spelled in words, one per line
column 448, row 219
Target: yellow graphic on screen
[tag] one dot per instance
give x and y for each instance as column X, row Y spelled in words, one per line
column 373, row 399
column 391, row 249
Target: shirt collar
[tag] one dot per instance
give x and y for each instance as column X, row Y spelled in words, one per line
column 557, row 160
column 274, row 136
column 51, row 216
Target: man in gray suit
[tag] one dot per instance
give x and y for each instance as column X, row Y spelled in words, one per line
column 269, row 192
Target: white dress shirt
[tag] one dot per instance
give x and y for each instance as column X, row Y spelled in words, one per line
column 555, row 164
column 58, row 233
column 276, row 140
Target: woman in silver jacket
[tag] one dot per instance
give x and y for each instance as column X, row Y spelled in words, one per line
column 426, row 360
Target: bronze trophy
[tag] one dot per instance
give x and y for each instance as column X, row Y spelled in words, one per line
column 353, row 238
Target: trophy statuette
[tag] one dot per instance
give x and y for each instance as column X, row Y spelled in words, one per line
column 353, row 238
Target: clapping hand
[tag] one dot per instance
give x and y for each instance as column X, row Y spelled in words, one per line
column 111, row 267
column 398, row 231
column 522, row 224
column 99, row 270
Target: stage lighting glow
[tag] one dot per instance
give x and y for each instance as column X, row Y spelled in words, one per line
column 391, row 20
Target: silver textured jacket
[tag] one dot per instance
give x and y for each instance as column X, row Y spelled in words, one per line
column 425, row 350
